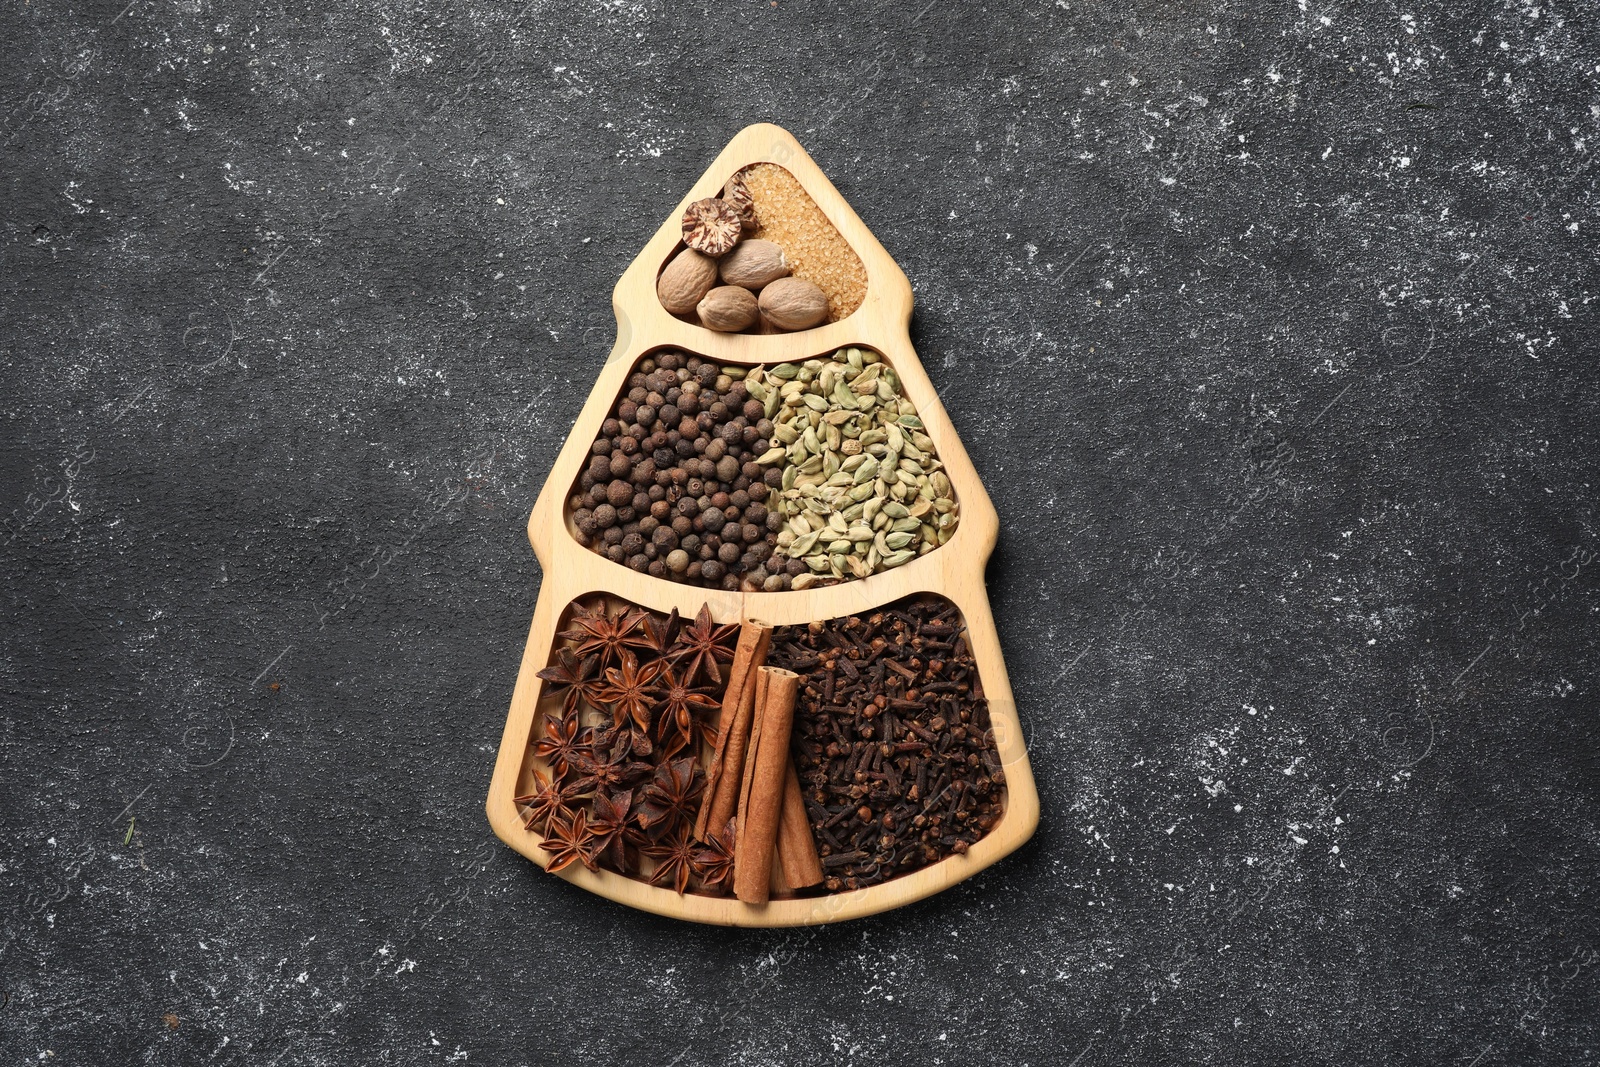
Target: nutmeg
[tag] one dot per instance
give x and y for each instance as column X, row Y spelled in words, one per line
column 753, row 264
column 711, row 226
column 737, row 193
column 686, row 279
column 793, row 304
column 728, row 309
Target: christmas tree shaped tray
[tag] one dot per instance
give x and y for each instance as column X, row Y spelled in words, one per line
column 868, row 340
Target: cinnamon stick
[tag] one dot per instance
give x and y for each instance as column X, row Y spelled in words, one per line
column 725, row 771
column 750, row 763
column 797, row 847
column 767, row 769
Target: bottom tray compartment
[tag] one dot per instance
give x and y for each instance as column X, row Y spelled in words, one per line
column 892, row 743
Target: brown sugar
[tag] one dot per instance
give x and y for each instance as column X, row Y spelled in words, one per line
column 816, row 251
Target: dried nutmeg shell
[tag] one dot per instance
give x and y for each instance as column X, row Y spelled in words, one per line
column 753, row 264
column 737, row 193
column 711, row 226
column 793, row 304
column 687, row 279
column 728, row 309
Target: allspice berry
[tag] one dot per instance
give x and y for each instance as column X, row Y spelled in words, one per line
column 667, row 489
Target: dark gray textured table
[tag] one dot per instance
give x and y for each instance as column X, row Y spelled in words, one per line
column 1270, row 327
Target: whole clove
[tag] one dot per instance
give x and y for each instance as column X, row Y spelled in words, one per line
column 891, row 739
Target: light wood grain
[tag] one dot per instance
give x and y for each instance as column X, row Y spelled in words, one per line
column 882, row 322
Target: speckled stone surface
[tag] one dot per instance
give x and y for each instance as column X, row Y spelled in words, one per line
column 1270, row 327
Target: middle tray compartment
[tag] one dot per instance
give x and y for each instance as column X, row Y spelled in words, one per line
column 769, row 478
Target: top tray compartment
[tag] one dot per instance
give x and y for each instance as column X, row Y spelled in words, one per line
column 884, row 298
column 784, row 238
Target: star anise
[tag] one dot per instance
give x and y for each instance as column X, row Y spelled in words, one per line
column 703, row 646
column 660, row 636
column 547, row 801
column 563, row 744
column 574, row 678
column 676, row 725
column 607, row 829
column 611, row 637
column 568, row 840
column 606, row 768
column 627, row 694
column 672, row 797
column 713, row 861
column 674, row 858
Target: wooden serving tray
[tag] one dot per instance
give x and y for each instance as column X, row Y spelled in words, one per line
column 954, row 570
